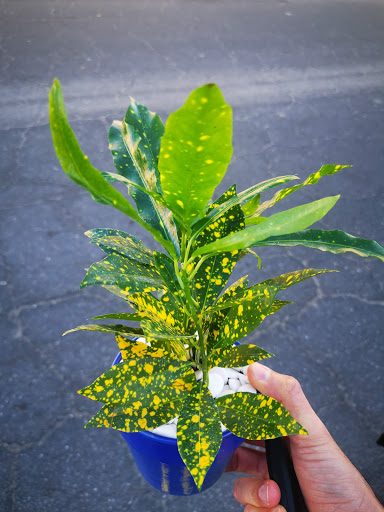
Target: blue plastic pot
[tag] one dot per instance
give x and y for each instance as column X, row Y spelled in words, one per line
column 159, row 462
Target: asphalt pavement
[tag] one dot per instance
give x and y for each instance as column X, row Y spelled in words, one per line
column 305, row 80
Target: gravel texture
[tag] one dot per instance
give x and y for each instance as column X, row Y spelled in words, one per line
column 305, row 79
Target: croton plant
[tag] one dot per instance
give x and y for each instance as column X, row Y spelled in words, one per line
column 181, row 303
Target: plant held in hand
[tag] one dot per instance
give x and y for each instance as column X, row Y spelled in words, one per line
column 188, row 317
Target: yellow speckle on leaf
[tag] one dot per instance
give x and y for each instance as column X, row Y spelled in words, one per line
column 195, row 418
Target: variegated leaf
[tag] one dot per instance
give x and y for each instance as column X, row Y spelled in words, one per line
column 243, row 318
column 156, row 310
column 195, row 151
column 233, row 357
column 144, row 382
column 129, row 317
column 285, row 222
column 165, row 267
column 199, row 433
column 127, row 274
column 136, row 349
column 244, row 196
column 311, row 180
column 215, row 320
column 77, row 166
column 113, row 241
column 116, row 329
column 334, row 241
column 256, row 416
column 277, row 305
column 214, row 272
column 135, row 160
column 279, row 283
column 130, row 419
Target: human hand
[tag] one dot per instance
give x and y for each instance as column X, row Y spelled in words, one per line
column 328, row 480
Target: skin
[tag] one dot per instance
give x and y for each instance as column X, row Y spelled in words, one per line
column 328, row 480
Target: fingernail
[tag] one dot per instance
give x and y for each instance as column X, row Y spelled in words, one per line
column 259, row 372
column 263, row 493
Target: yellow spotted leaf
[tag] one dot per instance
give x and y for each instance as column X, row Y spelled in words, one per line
column 136, row 349
column 241, row 355
column 214, row 272
column 196, row 149
column 132, row 419
column 140, row 382
column 325, row 170
column 116, row 329
column 256, row 416
column 125, row 273
column 113, row 241
column 335, row 241
column 199, row 433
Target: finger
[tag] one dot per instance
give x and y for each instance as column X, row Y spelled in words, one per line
column 287, row 390
column 256, row 492
column 251, row 508
column 248, row 461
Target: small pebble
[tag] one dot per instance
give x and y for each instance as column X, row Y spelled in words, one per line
column 199, row 374
column 234, row 384
column 247, row 387
column 166, row 430
column 216, row 384
column 219, row 371
column 242, row 379
column 231, row 374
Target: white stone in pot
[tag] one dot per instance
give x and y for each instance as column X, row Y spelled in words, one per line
column 231, row 374
column 219, row 371
column 166, row 430
column 248, row 388
column 216, row 384
column 234, row 384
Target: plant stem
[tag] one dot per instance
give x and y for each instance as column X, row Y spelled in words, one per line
column 199, row 329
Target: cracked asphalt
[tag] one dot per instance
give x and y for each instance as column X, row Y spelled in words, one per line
column 305, row 80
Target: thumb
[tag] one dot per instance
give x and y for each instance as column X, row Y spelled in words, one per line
column 287, row 390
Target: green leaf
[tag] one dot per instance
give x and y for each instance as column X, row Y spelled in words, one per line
column 334, row 241
column 217, row 209
column 277, row 283
column 277, row 305
column 214, row 272
column 116, row 329
column 242, row 319
column 250, row 207
column 113, row 241
column 249, row 310
column 144, row 382
column 285, row 222
column 156, row 310
column 129, row 419
column 161, row 323
column 77, row 166
column 166, row 268
column 136, row 349
column 135, row 160
column 199, row 433
column 216, row 319
column 130, row 317
column 127, row 274
column 195, row 151
column 256, row 416
column 325, row 170
column 234, row 357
